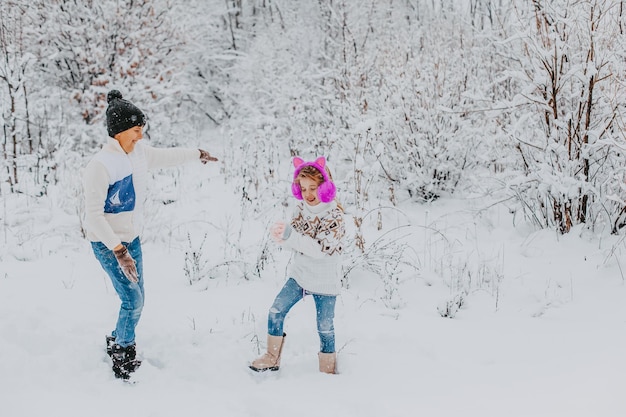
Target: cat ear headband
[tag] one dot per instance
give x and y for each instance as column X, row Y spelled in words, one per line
column 326, row 191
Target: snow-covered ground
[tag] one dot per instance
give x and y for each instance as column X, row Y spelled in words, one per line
column 542, row 331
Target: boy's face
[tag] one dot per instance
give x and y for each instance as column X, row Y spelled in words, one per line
column 309, row 191
column 129, row 138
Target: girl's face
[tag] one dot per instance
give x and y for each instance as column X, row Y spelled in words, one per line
column 309, row 191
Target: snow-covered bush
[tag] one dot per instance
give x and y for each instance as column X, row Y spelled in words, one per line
column 569, row 135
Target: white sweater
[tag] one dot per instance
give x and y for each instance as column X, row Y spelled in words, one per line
column 316, row 236
column 115, row 188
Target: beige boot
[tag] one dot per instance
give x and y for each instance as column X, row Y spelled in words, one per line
column 270, row 360
column 328, row 362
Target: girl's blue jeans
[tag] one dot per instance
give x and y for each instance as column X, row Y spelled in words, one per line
column 131, row 294
column 288, row 296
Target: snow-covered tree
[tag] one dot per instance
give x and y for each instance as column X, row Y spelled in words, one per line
column 91, row 47
column 570, row 141
column 16, row 62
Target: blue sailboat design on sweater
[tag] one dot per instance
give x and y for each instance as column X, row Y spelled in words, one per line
column 120, row 196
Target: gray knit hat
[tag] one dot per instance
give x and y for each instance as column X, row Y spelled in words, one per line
column 122, row 114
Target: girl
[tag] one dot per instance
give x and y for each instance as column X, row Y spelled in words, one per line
column 315, row 234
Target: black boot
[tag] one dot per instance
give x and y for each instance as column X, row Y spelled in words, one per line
column 110, row 341
column 131, row 352
column 124, row 360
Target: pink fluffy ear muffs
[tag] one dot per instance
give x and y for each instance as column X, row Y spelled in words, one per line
column 326, row 190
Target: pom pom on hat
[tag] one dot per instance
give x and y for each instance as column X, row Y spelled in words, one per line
column 122, row 114
column 113, row 94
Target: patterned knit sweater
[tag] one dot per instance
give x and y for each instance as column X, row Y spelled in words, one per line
column 316, row 236
column 115, row 189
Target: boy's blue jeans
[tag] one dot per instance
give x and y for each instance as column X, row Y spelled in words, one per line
column 288, row 296
column 131, row 294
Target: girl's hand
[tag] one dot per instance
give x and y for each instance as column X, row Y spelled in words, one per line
column 276, row 231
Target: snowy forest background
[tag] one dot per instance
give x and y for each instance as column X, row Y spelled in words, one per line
column 517, row 103
column 479, row 152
